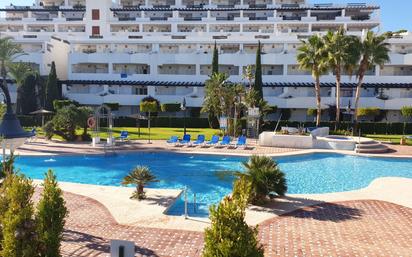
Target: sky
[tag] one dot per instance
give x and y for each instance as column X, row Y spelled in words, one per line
column 395, row 14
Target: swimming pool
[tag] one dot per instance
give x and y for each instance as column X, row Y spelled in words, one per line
column 210, row 176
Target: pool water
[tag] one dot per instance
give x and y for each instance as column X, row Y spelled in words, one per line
column 211, row 177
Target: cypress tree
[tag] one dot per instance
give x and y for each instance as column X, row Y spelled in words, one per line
column 258, row 74
column 52, row 88
column 215, row 60
column 28, row 91
column 51, row 214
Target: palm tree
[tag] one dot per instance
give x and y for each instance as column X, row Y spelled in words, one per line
column 374, row 50
column 139, row 176
column 341, row 56
column 312, row 57
column 265, row 177
column 19, row 72
column 9, row 51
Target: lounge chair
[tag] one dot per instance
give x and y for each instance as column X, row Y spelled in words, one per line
column 241, row 142
column 213, row 141
column 124, row 135
column 34, row 137
column 225, row 141
column 173, row 140
column 185, row 140
column 200, row 140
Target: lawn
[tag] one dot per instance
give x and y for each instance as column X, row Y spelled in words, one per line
column 156, row 133
column 388, row 138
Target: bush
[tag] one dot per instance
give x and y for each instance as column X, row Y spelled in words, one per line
column 311, row 112
column 18, row 226
column 406, row 111
column 140, row 176
column 229, row 235
column 50, row 218
column 170, row 107
column 368, row 112
column 58, row 104
column 265, row 177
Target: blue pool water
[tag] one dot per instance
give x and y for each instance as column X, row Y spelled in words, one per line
column 210, row 177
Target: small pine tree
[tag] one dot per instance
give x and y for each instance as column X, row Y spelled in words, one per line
column 52, row 88
column 258, row 75
column 18, row 226
column 229, row 235
column 215, row 60
column 50, row 218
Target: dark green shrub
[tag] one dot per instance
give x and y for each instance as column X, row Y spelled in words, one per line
column 50, row 218
column 170, row 107
column 265, row 177
column 58, row 104
column 406, row 111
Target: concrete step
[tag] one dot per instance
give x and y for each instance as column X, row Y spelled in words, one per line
column 371, row 147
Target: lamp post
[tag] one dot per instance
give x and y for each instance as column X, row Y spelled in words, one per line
column 183, row 108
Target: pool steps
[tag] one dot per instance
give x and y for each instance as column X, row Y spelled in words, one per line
column 371, row 146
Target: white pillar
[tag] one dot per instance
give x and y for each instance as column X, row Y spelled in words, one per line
column 66, row 2
column 209, row 14
column 377, row 70
column 197, row 69
column 29, row 14
column 343, row 12
column 285, row 69
column 309, row 13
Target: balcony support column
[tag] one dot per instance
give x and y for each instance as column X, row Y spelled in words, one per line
column 310, row 28
column 285, row 69
column 29, row 14
column 377, row 70
column 66, row 3
column 343, row 12
column 59, row 14
column 198, row 69
column 309, row 13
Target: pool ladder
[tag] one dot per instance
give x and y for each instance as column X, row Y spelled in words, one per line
column 109, row 150
column 186, row 203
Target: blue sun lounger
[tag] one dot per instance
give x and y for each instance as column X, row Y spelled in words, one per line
column 185, row 140
column 213, row 141
column 241, row 142
column 173, row 140
column 200, row 140
column 225, row 141
column 124, row 135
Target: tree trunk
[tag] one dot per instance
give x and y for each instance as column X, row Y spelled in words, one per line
column 357, row 96
column 140, row 191
column 318, row 101
column 338, row 79
column 362, row 70
column 5, row 89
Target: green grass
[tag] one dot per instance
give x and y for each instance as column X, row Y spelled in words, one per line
column 388, row 138
column 156, row 133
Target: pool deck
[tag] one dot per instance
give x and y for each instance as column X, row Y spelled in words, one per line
column 288, row 226
column 44, row 147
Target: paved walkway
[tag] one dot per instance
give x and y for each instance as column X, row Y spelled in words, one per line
column 355, row 228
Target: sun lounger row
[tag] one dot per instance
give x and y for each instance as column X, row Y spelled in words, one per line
column 201, row 141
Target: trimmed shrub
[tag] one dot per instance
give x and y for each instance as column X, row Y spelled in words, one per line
column 369, row 111
column 50, row 218
column 406, row 111
column 170, row 107
column 58, row 104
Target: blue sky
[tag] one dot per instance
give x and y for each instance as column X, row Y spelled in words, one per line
column 395, row 14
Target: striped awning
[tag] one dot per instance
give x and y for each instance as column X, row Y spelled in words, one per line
column 201, row 84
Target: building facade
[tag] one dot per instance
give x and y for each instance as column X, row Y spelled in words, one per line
column 123, row 51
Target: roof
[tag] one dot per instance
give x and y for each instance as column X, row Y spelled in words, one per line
column 201, row 84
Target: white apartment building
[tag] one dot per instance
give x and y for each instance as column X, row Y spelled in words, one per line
column 122, row 51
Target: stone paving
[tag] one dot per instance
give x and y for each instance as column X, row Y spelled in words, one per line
column 354, row 228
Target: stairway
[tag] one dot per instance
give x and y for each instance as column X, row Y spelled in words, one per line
column 371, row 146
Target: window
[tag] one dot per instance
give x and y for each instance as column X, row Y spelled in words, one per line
column 140, row 90
column 95, row 14
column 95, row 30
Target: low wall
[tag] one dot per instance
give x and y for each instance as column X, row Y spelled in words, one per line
column 304, row 142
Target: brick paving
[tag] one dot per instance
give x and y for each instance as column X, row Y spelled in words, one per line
column 354, row 228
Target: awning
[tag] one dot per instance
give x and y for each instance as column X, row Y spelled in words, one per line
column 201, row 84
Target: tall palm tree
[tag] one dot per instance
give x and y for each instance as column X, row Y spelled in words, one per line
column 374, row 50
column 312, row 57
column 19, row 72
column 139, row 176
column 341, row 57
column 265, row 178
column 9, row 51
